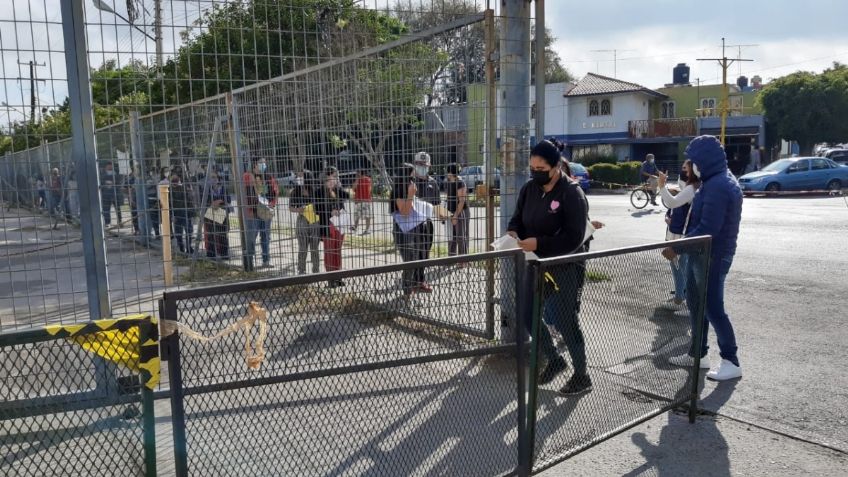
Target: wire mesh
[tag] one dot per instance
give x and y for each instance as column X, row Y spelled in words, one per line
column 200, row 91
column 352, row 381
column 66, row 411
column 605, row 330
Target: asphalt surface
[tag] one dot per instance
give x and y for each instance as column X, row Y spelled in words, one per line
column 787, row 298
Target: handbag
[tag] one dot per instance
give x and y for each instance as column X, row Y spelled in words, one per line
column 309, row 214
column 215, row 214
column 264, row 210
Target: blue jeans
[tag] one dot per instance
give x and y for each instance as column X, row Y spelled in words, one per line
column 679, row 272
column 561, row 311
column 263, row 229
column 715, row 314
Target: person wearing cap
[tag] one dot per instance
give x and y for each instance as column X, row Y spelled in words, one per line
column 457, row 206
column 649, row 172
column 550, row 220
column 427, row 190
column 716, row 211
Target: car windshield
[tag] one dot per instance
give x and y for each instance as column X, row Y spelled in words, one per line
column 777, row 166
column 577, row 168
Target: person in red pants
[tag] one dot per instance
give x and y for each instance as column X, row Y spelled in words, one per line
column 329, row 206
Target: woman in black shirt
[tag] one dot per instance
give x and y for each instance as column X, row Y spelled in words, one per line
column 550, row 219
column 307, row 226
column 457, row 205
column 414, row 243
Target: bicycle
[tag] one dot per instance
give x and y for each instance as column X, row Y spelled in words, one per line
column 640, row 197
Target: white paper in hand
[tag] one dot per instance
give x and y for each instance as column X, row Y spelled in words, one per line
column 508, row 242
column 342, row 221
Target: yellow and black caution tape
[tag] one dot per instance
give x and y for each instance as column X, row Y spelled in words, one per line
column 117, row 340
column 254, row 350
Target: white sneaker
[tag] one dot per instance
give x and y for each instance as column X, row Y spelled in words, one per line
column 687, row 361
column 725, row 371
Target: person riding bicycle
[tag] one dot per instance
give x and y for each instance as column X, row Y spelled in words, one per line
column 648, row 173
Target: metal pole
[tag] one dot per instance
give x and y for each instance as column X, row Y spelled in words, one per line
column 84, row 153
column 489, row 162
column 515, row 84
column 165, row 214
column 540, row 70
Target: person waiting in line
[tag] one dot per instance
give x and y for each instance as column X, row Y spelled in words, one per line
column 457, row 206
column 261, row 194
column 412, row 229
column 307, row 226
column 648, row 173
column 56, row 198
column 428, row 191
column 110, row 185
column 217, row 222
column 677, row 219
column 329, row 205
column 717, row 212
column 182, row 210
column 550, row 220
column 362, row 201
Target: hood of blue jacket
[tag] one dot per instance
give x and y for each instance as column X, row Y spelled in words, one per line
column 707, row 153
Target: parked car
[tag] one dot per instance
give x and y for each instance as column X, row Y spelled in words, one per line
column 476, row 175
column 840, row 156
column 581, row 174
column 795, row 174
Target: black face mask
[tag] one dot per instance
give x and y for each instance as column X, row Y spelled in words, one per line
column 541, row 178
column 684, row 176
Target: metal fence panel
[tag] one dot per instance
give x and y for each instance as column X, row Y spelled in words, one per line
column 352, row 382
column 617, row 329
column 56, row 418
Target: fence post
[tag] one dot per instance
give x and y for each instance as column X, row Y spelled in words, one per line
column 165, row 213
column 148, row 331
column 524, row 289
column 238, row 172
column 695, row 372
column 84, row 153
column 175, row 384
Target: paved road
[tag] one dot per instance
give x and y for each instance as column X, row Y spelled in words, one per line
column 787, row 297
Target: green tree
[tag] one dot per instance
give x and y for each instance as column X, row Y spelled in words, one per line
column 808, row 108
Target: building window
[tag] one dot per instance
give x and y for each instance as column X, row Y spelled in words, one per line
column 667, row 110
column 606, row 107
column 708, row 106
column 594, row 109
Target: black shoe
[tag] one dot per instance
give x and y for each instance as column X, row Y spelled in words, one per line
column 576, row 385
column 554, row 367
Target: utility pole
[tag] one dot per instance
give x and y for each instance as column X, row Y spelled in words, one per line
column 725, row 63
column 33, row 94
column 157, row 29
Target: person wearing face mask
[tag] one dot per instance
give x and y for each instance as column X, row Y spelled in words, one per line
column 550, row 220
column 330, row 202
column 218, row 226
column 427, row 190
column 109, row 186
column 677, row 219
column 717, row 212
column 307, row 226
column 261, row 193
column 648, row 173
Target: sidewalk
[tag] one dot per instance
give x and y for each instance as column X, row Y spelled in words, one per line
column 714, row 446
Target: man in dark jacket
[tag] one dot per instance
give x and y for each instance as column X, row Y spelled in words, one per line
column 716, row 211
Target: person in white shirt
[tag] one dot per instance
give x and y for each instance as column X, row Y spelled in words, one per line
column 677, row 219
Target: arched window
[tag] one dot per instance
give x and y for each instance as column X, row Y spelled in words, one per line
column 664, row 112
column 606, row 107
column 671, row 109
column 593, row 108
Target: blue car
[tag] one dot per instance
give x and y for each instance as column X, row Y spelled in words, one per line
column 581, row 174
column 796, row 174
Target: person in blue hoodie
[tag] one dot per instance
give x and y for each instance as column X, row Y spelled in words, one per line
column 716, row 211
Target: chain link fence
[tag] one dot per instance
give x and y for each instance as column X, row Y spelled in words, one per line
column 360, row 380
column 68, row 408
column 616, row 327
